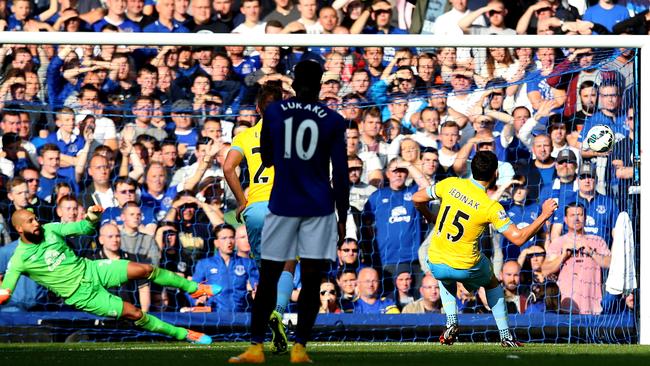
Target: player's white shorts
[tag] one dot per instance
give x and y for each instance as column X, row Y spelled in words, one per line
column 285, row 238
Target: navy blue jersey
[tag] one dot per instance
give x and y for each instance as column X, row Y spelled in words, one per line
column 299, row 139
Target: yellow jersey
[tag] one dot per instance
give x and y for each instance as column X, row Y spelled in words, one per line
column 261, row 178
column 465, row 212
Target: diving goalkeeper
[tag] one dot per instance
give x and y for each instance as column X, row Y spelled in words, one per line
column 43, row 255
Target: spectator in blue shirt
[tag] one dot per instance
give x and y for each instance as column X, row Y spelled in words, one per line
column 235, row 274
column 381, row 13
column 165, row 22
column 369, row 301
column 66, row 140
column 610, row 113
column 397, row 223
column 600, row 211
column 50, row 160
column 606, row 13
column 27, row 295
column 116, row 10
column 124, row 190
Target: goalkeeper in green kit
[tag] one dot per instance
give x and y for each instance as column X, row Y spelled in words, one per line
column 43, row 255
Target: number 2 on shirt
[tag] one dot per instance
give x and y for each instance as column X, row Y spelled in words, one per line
column 303, row 126
column 460, row 215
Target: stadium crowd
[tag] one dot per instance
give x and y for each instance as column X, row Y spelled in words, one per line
column 144, row 132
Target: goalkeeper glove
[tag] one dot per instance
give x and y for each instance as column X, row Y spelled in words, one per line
column 94, row 213
column 5, row 294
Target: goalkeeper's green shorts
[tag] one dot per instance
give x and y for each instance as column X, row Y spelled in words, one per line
column 92, row 296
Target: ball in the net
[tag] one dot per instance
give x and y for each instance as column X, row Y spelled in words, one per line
column 600, row 138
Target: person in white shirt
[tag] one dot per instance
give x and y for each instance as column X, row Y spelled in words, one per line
column 252, row 24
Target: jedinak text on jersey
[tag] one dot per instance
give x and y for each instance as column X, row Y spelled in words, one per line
column 463, row 198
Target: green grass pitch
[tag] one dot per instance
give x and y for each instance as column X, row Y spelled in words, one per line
column 334, row 353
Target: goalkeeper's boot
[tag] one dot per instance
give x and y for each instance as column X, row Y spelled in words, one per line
column 450, row 335
column 279, row 339
column 206, row 290
column 253, row 354
column 299, row 354
column 197, row 337
column 511, row 342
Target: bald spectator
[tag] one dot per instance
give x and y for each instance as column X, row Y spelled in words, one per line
column 111, row 249
column 369, row 301
column 515, row 302
column 429, row 302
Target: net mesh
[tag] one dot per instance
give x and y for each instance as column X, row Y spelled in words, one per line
column 418, row 108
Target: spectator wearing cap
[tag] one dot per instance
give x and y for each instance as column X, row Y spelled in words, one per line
column 166, row 22
column 184, row 131
column 330, row 85
column 601, row 211
column 397, row 224
column 115, row 15
column 285, row 12
column 565, row 183
column 522, row 211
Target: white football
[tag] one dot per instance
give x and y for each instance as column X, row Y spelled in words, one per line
column 600, row 138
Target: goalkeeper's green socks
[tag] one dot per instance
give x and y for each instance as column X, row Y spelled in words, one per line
column 164, row 277
column 153, row 324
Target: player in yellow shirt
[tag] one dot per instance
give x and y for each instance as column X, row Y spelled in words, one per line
column 454, row 254
column 254, row 207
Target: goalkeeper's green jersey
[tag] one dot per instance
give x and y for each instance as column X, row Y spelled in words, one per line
column 51, row 264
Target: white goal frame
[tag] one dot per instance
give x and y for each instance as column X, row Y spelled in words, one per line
column 608, row 41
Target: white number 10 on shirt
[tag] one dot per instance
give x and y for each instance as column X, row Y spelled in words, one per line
column 307, row 124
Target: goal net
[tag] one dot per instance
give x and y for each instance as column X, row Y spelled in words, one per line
column 131, row 120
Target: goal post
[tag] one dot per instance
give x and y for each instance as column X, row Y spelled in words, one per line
column 607, row 41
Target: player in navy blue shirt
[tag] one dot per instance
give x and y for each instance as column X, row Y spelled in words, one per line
column 300, row 137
